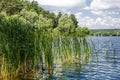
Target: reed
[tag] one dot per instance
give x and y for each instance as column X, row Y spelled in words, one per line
column 24, row 46
column 19, row 46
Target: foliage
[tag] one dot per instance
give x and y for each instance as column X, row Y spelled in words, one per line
column 28, row 34
column 66, row 25
column 82, row 31
column 106, row 32
column 72, row 16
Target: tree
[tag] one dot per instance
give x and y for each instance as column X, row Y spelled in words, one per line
column 85, row 31
column 78, row 31
column 72, row 16
column 82, row 31
column 54, row 19
column 66, row 25
column 29, row 16
column 11, row 6
column 43, row 22
column 59, row 15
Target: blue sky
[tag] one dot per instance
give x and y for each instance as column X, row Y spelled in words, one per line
column 95, row 14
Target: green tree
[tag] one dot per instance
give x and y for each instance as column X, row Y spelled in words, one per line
column 59, row 15
column 85, row 31
column 29, row 16
column 66, row 25
column 11, row 6
column 72, row 16
column 82, row 31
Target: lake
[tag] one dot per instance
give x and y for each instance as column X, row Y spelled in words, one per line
column 105, row 63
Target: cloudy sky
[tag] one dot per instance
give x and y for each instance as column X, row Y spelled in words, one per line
column 95, row 14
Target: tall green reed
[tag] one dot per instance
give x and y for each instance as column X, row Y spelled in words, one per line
column 24, row 46
column 20, row 46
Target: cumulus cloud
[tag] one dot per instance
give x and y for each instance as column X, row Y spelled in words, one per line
column 105, row 12
column 86, row 8
column 97, row 12
column 105, row 7
column 105, row 22
column 105, row 4
column 62, row 3
column 78, row 15
column 99, row 4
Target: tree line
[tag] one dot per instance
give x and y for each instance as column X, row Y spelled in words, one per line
column 63, row 24
column 105, row 32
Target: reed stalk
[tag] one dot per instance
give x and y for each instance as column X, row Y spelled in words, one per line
column 24, row 46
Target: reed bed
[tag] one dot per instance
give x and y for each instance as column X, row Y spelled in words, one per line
column 24, row 47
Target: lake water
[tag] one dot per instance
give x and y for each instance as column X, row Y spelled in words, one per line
column 105, row 64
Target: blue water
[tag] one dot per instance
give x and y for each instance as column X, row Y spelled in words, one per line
column 105, row 64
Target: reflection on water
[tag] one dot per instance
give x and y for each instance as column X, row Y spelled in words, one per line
column 104, row 66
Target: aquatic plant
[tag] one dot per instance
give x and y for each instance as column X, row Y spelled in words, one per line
column 25, row 46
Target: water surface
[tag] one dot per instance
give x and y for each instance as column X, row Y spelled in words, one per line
column 105, row 64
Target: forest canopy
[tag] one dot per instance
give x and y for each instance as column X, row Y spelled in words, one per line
column 32, row 13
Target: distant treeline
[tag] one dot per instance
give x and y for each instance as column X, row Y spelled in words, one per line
column 105, row 32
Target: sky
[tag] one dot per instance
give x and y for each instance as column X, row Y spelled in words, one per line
column 95, row 14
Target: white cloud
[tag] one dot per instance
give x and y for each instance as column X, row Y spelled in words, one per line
column 66, row 12
column 78, row 15
column 86, row 8
column 62, row 3
column 98, row 4
column 104, row 4
column 102, row 22
column 113, row 12
column 105, row 7
column 106, row 12
column 97, row 12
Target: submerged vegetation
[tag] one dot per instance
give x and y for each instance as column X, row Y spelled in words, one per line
column 30, row 36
